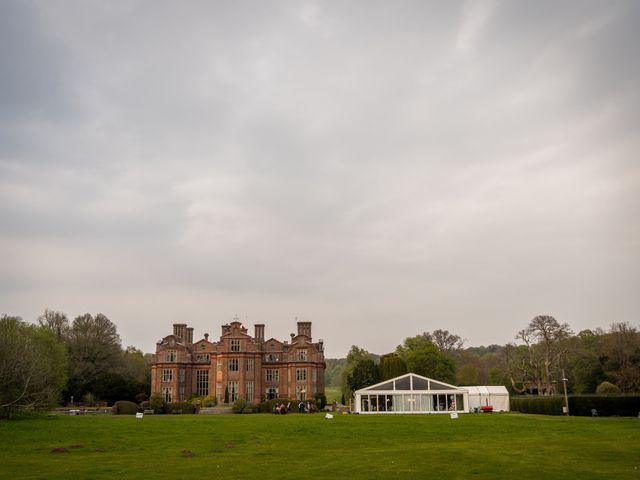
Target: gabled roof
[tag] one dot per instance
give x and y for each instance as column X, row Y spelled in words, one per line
column 273, row 342
column 409, row 382
column 487, row 390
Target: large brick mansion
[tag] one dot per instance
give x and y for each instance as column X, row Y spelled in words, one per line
column 247, row 367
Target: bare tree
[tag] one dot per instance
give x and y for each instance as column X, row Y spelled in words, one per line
column 445, row 341
column 56, row 322
column 546, row 342
column 515, row 361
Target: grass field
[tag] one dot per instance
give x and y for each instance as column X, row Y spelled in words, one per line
column 310, row 446
column 333, row 393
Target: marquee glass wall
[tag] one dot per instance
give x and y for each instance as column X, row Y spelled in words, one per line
column 411, row 393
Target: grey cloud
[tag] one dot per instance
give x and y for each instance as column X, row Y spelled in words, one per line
column 429, row 164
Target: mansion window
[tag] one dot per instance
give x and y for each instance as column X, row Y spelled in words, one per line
column 302, row 355
column 181, row 375
column 202, row 357
column 301, row 374
column 249, row 365
column 273, row 375
column 171, row 356
column 249, row 392
column 167, row 375
column 271, row 393
column 235, row 345
column 271, row 357
column 233, row 391
column 166, row 394
column 301, row 393
column 202, row 382
column 233, row 364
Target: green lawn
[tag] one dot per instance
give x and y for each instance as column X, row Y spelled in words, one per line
column 310, row 446
column 333, row 393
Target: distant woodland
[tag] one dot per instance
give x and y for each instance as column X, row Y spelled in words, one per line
column 83, row 361
column 593, row 361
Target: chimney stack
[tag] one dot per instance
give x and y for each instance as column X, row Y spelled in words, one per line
column 304, row 328
column 189, row 338
column 179, row 330
column 259, row 332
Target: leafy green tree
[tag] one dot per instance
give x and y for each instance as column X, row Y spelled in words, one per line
column 391, row 366
column 94, row 350
column 583, row 366
column 496, row 376
column 467, row 375
column 364, row 373
column 359, row 370
column 32, row 366
column 621, row 356
column 56, row 322
column 424, row 358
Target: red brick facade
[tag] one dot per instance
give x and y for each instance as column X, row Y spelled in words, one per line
column 250, row 368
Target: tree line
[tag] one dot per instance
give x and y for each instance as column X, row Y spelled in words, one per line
column 542, row 355
column 80, row 361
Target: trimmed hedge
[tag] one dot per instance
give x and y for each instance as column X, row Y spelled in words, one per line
column 125, row 407
column 182, row 407
column 606, row 406
column 537, row 405
column 579, row 405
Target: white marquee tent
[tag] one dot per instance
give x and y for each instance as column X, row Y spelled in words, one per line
column 496, row 396
column 411, row 393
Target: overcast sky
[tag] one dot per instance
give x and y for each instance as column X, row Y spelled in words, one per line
column 378, row 168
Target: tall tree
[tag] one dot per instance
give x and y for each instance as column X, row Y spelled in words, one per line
column 56, row 322
column 364, row 373
column 32, row 366
column 515, row 360
column 360, row 371
column 94, row 349
column 391, row 366
column 621, row 355
column 423, row 357
column 446, row 342
column 546, row 342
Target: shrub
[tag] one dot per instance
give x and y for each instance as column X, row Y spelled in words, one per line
column 157, row 404
column 320, row 400
column 182, row 407
column 607, row 388
column 269, row 405
column 206, row 402
column 124, row 407
column 141, row 397
column 239, row 406
column 210, row 401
